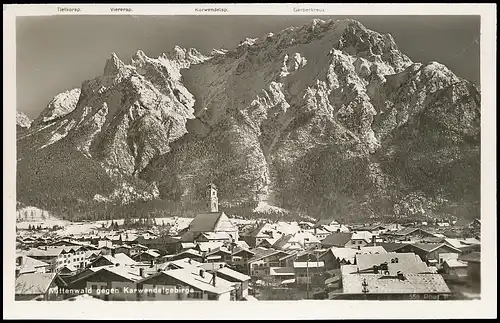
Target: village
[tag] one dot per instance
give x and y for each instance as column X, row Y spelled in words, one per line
column 215, row 256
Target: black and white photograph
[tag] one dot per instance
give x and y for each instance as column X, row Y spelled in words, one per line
column 249, row 158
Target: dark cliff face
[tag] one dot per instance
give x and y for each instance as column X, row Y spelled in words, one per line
column 328, row 119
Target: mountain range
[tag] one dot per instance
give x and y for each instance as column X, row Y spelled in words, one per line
column 329, row 119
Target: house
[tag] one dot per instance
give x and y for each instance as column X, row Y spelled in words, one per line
column 213, row 221
column 219, row 254
column 305, row 270
column 136, row 249
column 25, row 264
column 124, row 248
column 164, row 244
column 241, row 256
column 187, row 245
column 67, row 270
column 326, row 222
column 113, row 259
column 110, row 283
column 428, row 252
column 390, row 286
column 455, row 268
column 282, row 274
column 298, row 241
column 190, row 253
column 264, row 259
column 321, row 234
column 334, row 258
column 467, row 245
column 261, row 233
column 214, row 237
column 347, row 240
column 38, row 286
column 183, row 284
column 473, row 261
column 205, row 247
column 390, row 276
column 337, row 239
column 148, row 256
column 304, row 225
column 407, row 234
column 59, row 256
column 241, row 280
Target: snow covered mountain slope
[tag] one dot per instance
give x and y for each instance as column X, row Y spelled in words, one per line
column 327, row 118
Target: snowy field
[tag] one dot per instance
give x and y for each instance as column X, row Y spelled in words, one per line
column 31, row 216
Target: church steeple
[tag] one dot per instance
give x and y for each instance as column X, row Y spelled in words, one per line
column 212, row 199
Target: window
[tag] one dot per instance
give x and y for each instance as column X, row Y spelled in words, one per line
column 94, row 287
column 164, row 291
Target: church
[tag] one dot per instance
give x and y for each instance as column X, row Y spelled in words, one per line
column 213, row 223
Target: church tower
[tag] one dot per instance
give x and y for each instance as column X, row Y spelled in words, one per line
column 212, row 199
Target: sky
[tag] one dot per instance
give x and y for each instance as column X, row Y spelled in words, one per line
column 57, row 53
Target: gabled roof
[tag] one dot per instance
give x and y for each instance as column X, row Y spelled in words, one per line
column 239, row 249
column 123, row 271
column 378, row 284
column 349, row 254
column 455, row 263
column 429, row 247
column 390, row 246
column 205, row 222
column 366, row 261
column 191, row 252
column 337, row 239
column 150, row 253
column 221, row 249
column 264, row 254
column 195, row 280
column 68, row 268
column 325, row 222
column 29, row 264
column 34, row 283
column 119, row 258
column 206, row 246
column 233, row 274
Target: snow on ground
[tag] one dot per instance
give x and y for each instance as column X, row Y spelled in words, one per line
column 263, row 207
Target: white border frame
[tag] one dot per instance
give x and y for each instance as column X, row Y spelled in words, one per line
column 485, row 308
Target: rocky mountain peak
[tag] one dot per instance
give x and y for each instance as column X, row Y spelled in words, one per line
column 22, row 120
column 113, row 65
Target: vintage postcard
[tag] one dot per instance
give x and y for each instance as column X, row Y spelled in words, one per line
column 249, row 161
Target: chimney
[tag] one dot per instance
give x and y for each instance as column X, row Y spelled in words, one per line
column 214, row 275
column 189, row 260
column 141, row 272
